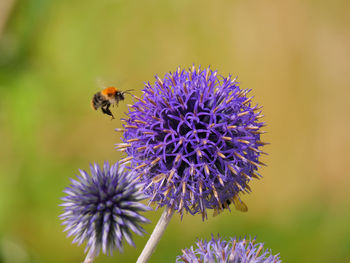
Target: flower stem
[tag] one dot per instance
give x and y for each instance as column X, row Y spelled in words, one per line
column 91, row 255
column 155, row 236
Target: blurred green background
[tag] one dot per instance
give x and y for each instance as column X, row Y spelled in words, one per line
column 295, row 55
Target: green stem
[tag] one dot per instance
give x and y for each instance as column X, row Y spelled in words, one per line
column 155, row 236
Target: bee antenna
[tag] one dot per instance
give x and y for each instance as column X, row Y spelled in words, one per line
column 127, row 91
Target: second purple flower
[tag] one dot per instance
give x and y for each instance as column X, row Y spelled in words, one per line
column 194, row 140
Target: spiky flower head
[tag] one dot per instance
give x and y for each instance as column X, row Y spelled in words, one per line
column 232, row 251
column 194, row 140
column 103, row 207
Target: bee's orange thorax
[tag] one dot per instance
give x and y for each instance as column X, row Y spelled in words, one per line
column 109, row 91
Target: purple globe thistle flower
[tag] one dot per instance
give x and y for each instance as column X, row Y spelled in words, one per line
column 194, row 140
column 102, row 208
column 233, row 251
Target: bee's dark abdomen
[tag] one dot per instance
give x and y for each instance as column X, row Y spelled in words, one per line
column 97, row 101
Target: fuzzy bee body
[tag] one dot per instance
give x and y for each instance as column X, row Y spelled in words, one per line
column 105, row 98
column 238, row 203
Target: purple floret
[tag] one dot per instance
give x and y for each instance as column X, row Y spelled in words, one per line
column 103, row 209
column 232, row 251
column 194, row 138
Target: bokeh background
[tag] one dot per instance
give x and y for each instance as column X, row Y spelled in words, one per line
column 293, row 54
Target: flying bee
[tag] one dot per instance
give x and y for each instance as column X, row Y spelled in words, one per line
column 237, row 202
column 107, row 97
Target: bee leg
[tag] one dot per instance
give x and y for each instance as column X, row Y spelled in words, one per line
column 107, row 111
column 104, row 111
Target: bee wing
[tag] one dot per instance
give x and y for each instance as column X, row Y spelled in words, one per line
column 101, row 83
column 239, row 204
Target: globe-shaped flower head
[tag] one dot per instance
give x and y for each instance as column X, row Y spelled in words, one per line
column 233, row 251
column 194, row 140
column 102, row 208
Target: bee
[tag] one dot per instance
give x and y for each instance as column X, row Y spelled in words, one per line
column 107, row 97
column 238, row 203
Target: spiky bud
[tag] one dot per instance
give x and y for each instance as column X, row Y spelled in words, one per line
column 103, row 208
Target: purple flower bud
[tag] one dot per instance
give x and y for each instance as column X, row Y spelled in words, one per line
column 103, row 209
column 194, row 139
column 233, row 251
